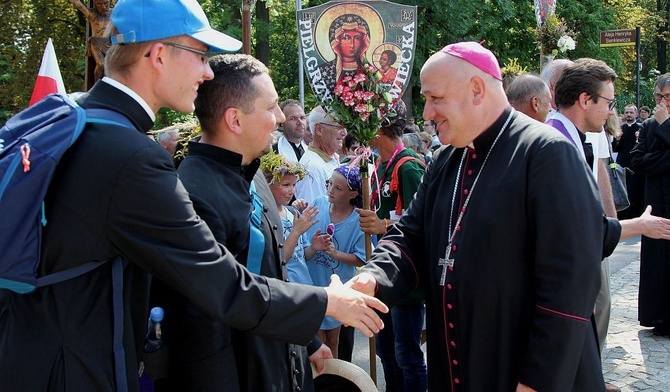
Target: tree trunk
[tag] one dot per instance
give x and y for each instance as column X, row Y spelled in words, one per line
column 661, row 43
column 262, row 48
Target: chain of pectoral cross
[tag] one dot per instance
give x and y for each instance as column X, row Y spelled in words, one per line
column 448, row 261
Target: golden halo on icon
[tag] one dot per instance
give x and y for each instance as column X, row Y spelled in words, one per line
column 377, row 53
column 374, row 20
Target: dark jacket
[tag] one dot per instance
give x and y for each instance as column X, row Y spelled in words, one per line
column 651, row 158
column 201, row 351
column 526, row 266
column 116, row 193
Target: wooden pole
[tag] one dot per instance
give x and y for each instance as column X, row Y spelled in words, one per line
column 247, row 8
column 365, row 177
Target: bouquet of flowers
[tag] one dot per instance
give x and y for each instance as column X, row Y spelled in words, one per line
column 362, row 103
column 554, row 37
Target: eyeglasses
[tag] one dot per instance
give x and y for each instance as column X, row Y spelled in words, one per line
column 331, row 125
column 612, row 102
column 658, row 96
column 204, row 53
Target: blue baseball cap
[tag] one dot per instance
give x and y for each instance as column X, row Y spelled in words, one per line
column 148, row 20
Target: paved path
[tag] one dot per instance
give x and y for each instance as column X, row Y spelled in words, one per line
column 633, row 358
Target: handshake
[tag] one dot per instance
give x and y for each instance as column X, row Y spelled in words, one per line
column 353, row 303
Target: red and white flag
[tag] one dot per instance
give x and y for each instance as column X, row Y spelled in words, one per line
column 49, row 79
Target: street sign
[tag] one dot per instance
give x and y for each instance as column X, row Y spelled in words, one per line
column 611, row 38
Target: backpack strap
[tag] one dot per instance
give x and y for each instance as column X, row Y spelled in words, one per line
column 69, row 273
column 117, row 303
column 107, row 116
column 395, row 183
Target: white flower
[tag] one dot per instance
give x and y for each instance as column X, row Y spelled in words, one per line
column 565, row 43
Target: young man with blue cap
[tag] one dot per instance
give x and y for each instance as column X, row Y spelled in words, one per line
column 114, row 195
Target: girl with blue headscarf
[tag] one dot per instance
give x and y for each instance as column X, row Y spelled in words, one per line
column 338, row 219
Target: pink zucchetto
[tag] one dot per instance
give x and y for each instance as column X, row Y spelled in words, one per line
column 477, row 55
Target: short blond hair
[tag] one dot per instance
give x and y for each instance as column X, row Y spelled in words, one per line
column 121, row 57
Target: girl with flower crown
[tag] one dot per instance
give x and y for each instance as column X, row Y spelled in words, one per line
column 282, row 175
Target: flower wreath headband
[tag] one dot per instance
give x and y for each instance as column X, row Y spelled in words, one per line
column 275, row 166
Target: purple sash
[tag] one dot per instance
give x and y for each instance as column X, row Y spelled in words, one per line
column 558, row 125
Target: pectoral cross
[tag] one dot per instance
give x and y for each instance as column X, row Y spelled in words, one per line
column 444, row 263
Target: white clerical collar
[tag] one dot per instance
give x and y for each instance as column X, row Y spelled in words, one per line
column 133, row 94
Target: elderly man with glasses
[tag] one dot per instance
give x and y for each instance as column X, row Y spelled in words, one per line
column 321, row 157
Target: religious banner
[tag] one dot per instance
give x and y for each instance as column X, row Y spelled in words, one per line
column 337, row 38
column 544, row 8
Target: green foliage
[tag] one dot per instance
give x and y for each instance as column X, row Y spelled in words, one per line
column 506, row 26
column 284, row 50
column 23, row 35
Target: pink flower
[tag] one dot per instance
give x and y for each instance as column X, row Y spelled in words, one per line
column 338, row 89
column 365, row 116
column 360, row 77
column 361, row 108
column 368, row 95
column 359, row 94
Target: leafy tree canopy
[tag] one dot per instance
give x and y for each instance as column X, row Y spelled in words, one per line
column 506, row 26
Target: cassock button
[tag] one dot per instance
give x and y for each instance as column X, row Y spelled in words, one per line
column 286, row 280
column 274, row 227
column 454, row 248
column 457, row 381
column 283, row 263
column 470, row 172
column 280, row 246
column 463, row 210
column 474, row 155
column 458, row 228
column 465, row 191
column 296, row 371
column 265, row 209
column 293, row 353
column 453, row 344
column 449, row 306
column 451, row 325
column 449, row 286
column 451, row 268
column 455, row 362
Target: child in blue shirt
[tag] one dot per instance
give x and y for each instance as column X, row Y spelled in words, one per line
column 337, row 218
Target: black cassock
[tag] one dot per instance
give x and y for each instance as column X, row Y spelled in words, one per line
column 516, row 304
column 651, row 158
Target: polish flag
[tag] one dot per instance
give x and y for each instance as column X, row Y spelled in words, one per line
column 49, row 79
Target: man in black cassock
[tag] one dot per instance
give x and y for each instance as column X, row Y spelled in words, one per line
column 237, row 110
column 651, row 158
column 634, row 181
column 506, row 236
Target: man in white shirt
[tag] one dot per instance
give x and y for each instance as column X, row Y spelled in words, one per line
column 290, row 144
column 321, row 157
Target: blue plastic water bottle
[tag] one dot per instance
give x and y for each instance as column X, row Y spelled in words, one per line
column 154, row 340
